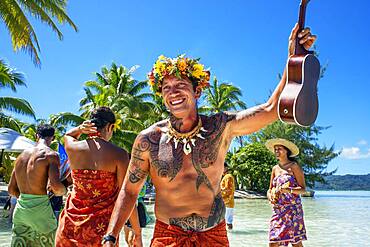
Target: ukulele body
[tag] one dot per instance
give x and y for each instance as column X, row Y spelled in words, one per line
column 298, row 102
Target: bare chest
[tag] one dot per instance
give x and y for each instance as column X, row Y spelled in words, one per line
column 202, row 165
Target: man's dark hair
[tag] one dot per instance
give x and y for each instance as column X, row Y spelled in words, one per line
column 45, row 130
column 102, row 116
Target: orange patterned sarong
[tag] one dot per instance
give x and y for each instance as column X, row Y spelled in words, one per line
column 85, row 217
column 173, row 236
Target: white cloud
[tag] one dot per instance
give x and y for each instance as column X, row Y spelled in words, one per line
column 354, row 153
column 362, row 142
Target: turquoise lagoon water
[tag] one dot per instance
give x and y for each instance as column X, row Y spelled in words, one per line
column 333, row 218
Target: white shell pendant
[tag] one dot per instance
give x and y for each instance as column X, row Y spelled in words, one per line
column 176, row 142
column 187, row 139
column 200, row 136
column 169, row 137
column 187, row 148
column 192, row 142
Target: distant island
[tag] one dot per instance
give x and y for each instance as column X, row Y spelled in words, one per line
column 345, row 182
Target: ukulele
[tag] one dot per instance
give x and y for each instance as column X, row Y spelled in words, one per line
column 298, row 102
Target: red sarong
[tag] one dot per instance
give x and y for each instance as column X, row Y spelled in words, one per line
column 85, row 217
column 174, row 236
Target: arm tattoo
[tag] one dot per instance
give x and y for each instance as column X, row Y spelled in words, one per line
column 136, row 174
column 195, row 222
column 251, row 112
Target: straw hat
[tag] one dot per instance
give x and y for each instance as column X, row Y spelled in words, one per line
column 270, row 144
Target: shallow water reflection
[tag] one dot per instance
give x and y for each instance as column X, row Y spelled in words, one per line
column 332, row 219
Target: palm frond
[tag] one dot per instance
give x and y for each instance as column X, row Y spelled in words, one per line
column 17, row 105
column 21, row 31
column 10, row 78
column 10, row 122
column 39, row 13
column 66, row 118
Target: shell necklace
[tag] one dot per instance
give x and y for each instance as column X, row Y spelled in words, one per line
column 188, row 139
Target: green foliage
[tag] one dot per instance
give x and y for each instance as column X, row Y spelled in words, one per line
column 116, row 88
column 16, row 13
column 222, row 97
column 313, row 158
column 10, row 78
column 7, row 166
column 251, row 166
column 2, row 171
column 16, row 105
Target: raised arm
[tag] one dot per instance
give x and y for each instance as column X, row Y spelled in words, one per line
column 134, row 180
column 257, row 117
column 72, row 135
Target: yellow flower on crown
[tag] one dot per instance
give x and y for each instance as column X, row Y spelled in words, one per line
column 159, row 67
column 198, row 70
column 179, row 67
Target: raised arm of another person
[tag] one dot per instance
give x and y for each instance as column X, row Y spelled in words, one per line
column 71, row 137
column 257, row 117
column 134, row 180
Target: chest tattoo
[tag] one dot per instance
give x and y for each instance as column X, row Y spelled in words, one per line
column 167, row 158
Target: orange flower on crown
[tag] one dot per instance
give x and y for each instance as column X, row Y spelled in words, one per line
column 179, row 66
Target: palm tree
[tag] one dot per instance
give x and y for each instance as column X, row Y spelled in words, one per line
column 116, row 88
column 222, row 97
column 10, row 78
column 15, row 15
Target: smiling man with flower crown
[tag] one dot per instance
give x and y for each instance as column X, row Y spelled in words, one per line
column 184, row 155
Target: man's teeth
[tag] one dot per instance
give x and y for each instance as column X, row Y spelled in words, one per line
column 177, row 102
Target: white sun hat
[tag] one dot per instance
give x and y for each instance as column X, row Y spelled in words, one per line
column 270, row 144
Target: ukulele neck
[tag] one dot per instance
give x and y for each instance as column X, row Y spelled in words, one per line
column 299, row 49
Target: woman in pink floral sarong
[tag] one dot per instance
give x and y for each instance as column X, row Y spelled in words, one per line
column 286, row 184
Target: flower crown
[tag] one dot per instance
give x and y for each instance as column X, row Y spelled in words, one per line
column 179, row 66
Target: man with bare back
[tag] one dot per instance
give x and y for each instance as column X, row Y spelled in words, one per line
column 36, row 170
column 185, row 154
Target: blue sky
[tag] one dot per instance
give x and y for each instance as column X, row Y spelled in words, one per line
column 243, row 42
